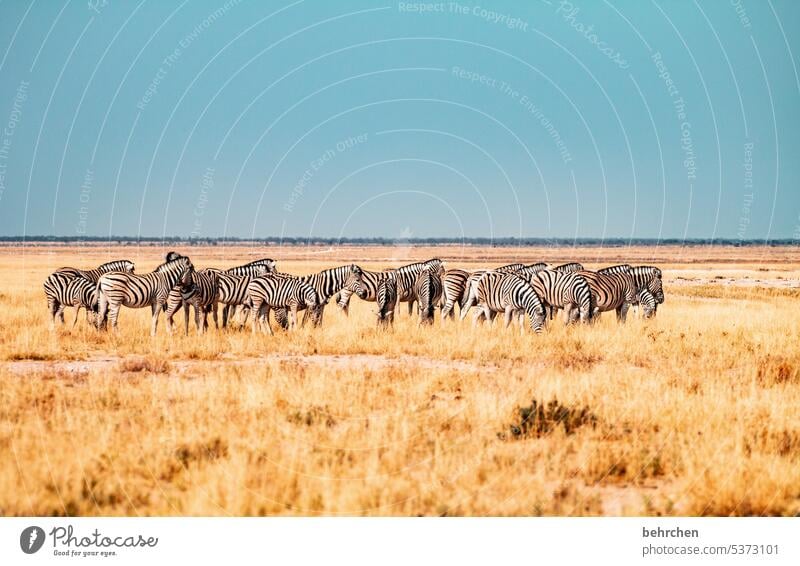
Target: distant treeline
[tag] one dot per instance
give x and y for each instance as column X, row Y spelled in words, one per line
column 495, row 242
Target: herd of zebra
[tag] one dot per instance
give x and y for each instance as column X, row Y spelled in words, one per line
column 537, row 290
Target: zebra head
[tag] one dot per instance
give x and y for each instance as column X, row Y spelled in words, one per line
column 355, row 282
column 172, row 256
column 311, row 301
column 535, row 308
column 648, row 303
column 656, row 289
column 436, row 266
column 536, row 314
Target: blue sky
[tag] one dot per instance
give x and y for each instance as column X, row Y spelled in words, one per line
column 536, row 119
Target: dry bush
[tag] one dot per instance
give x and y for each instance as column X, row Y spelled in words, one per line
column 149, row 364
column 540, row 419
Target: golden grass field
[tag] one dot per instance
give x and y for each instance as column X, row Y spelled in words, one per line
column 696, row 412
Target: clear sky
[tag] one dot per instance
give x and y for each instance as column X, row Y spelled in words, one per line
column 534, row 118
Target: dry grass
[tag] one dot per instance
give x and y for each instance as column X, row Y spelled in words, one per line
column 694, row 412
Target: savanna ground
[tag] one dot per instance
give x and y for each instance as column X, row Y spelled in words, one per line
column 696, row 412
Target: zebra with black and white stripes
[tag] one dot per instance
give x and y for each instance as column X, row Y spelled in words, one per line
column 123, row 265
column 512, row 295
column 644, row 276
column 568, row 291
column 200, row 292
column 77, row 292
column 327, row 283
column 648, row 302
column 469, row 298
column 386, row 298
column 612, row 291
column 369, row 283
column 233, row 290
column 454, row 284
column 115, row 290
column 427, row 291
column 57, row 285
column 407, row 275
column 279, row 291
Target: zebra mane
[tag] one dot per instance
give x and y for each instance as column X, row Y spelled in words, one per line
column 415, row 267
column 265, row 261
column 115, row 263
column 181, row 261
column 622, row 268
column 572, row 266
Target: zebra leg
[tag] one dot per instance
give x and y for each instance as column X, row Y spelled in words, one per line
column 447, row 310
column 77, row 312
column 225, row 315
column 156, row 312
column 622, row 311
column 186, row 318
column 508, row 314
column 256, row 307
column 59, row 315
column 198, row 323
column 52, row 307
column 101, row 317
column 476, row 317
column 411, row 307
column 265, row 319
column 245, row 315
column 343, row 301
column 214, row 314
column 113, row 315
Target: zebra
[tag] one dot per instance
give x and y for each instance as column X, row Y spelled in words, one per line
column 277, row 291
column 569, row 267
column 94, row 274
column 386, row 297
column 454, row 283
column 644, row 277
column 407, row 274
column 510, row 294
column 469, row 297
column 369, row 282
column 71, row 292
column 200, row 292
column 612, row 291
column 233, row 292
column 648, row 303
column 427, row 291
column 137, row 291
column 57, row 283
column 328, row 283
column 560, row 290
